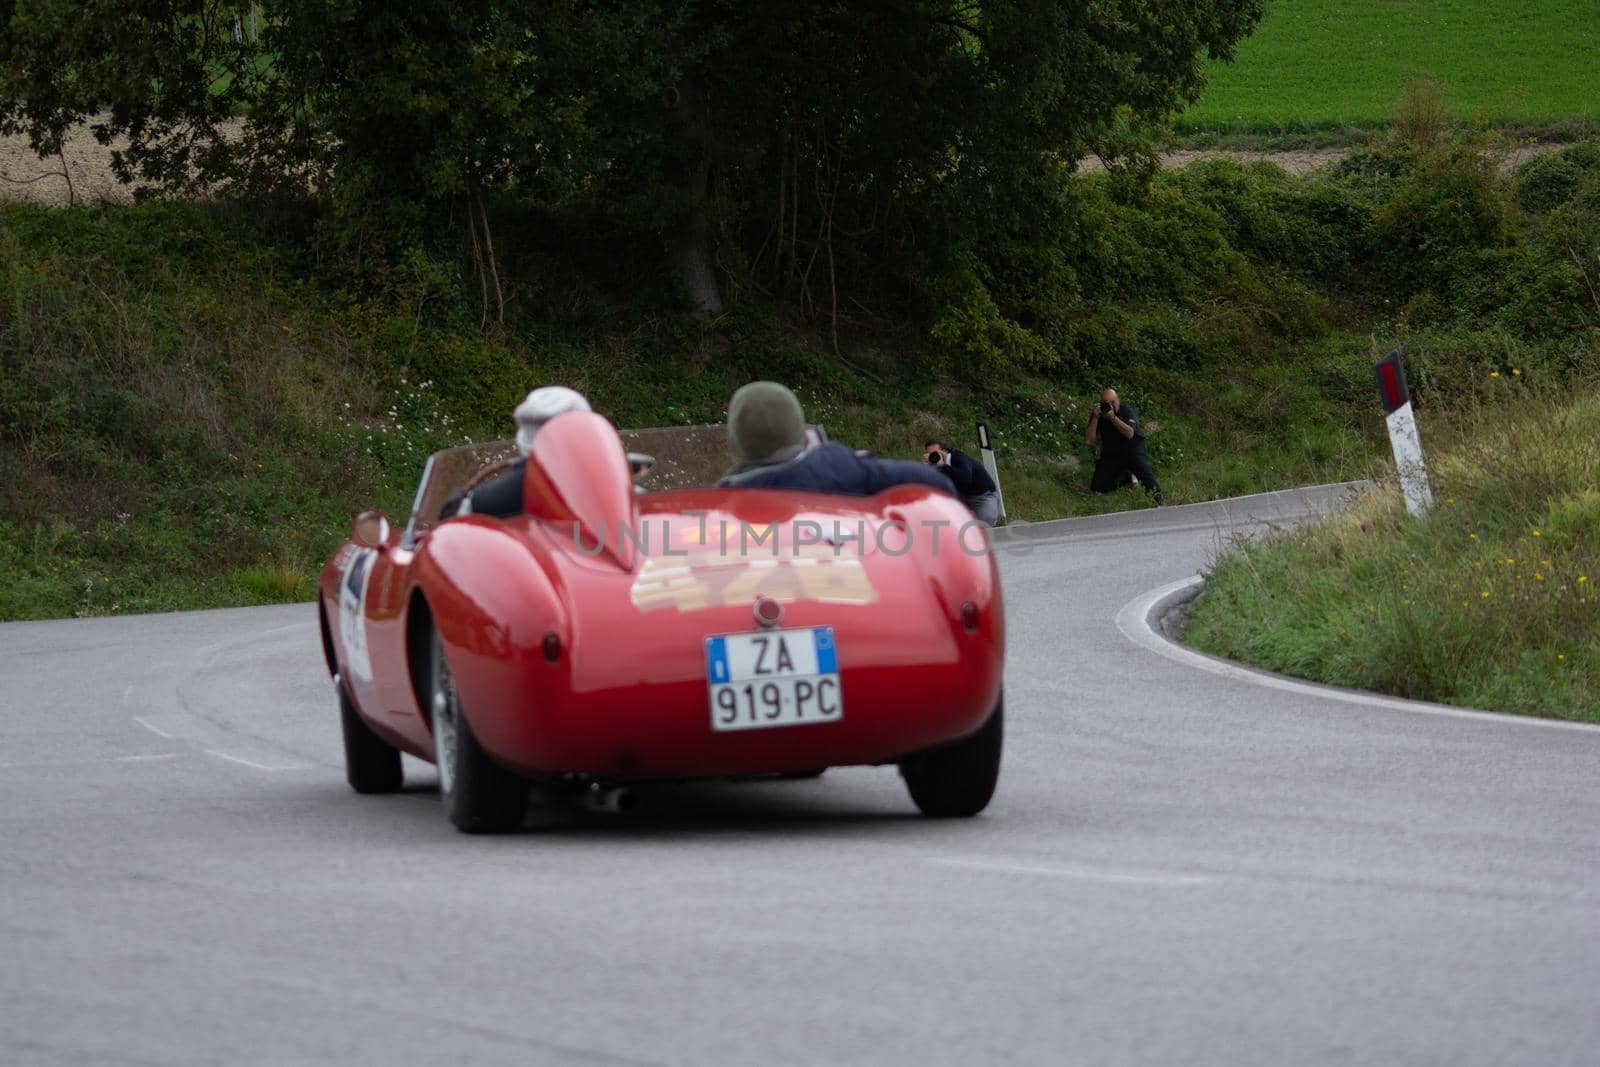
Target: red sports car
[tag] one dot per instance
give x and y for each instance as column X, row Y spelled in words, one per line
column 617, row 634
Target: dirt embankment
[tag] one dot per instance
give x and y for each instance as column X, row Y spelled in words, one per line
column 1306, row 160
column 82, row 173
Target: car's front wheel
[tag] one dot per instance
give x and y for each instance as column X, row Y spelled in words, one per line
column 480, row 796
column 957, row 780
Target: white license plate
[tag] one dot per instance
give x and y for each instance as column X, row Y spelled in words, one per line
column 773, row 678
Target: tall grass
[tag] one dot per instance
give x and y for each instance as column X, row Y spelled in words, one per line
column 1489, row 601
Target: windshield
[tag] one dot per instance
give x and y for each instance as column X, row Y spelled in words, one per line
column 686, row 457
column 450, row 471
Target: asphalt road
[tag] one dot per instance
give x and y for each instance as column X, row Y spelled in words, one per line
column 1179, row 867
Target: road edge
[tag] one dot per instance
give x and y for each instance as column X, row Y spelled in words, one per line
column 1023, row 533
column 1139, row 620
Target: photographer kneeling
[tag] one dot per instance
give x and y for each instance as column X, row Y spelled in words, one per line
column 1123, row 456
column 973, row 484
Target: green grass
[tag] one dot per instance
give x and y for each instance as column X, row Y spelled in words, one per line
column 1322, row 65
column 1490, row 601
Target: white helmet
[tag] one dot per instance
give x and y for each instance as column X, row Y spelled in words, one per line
column 542, row 405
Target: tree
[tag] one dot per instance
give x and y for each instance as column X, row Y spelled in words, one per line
column 783, row 144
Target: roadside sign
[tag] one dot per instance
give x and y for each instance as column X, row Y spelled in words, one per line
column 986, row 450
column 1403, row 437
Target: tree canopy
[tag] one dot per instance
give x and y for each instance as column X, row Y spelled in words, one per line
column 775, row 146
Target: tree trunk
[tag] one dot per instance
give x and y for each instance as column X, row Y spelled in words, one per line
column 691, row 249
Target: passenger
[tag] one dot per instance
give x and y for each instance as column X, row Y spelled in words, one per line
column 767, row 434
column 502, row 495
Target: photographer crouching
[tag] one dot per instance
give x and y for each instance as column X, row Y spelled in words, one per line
column 1123, row 455
column 973, row 484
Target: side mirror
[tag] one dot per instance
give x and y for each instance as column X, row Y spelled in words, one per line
column 641, row 464
column 370, row 530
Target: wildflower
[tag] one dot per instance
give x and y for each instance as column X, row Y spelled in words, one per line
column 1473, row 536
column 1582, row 578
column 1538, row 577
column 1516, row 372
column 1484, row 594
column 1537, row 534
column 1494, row 374
column 1560, row 658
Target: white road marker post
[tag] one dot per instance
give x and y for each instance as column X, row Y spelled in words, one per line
column 1408, row 461
column 986, row 449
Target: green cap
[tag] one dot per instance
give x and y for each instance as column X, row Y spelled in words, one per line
column 765, row 424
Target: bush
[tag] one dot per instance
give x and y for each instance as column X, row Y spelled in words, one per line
column 976, row 339
column 1440, row 215
column 1547, row 181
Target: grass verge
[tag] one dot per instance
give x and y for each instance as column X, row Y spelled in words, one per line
column 1490, row 601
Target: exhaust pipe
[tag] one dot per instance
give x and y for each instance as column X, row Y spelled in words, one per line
column 615, row 800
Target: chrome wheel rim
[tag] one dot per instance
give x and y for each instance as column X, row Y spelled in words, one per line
column 446, row 718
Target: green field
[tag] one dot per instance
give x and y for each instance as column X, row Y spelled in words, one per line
column 1326, row 64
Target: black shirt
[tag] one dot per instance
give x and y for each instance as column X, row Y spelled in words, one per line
column 1112, row 443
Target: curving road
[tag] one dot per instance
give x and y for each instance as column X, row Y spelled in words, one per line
column 1181, row 866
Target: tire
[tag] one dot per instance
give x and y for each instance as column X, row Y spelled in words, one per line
column 480, row 796
column 371, row 764
column 957, row 780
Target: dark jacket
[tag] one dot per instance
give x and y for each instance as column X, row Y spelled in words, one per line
column 833, row 468
column 500, row 495
column 968, row 475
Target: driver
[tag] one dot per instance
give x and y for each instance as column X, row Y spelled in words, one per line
column 767, row 435
column 502, row 495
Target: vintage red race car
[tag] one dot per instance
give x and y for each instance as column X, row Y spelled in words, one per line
column 614, row 634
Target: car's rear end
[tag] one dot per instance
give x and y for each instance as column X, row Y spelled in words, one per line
column 750, row 632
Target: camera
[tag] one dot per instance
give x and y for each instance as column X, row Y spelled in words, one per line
column 935, row 459
column 1105, row 407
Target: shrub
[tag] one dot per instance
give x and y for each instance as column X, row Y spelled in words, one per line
column 1439, row 216
column 1547, row 181
column 976, row 338
column 1423, row 116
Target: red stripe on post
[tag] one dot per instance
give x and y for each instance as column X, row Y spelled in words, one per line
column 1391, row 384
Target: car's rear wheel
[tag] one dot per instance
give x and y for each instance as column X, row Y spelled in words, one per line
column 480, row 796
column 371, row 764
column 957, row 780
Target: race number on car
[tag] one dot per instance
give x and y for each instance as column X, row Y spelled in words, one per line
column 773, row 678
